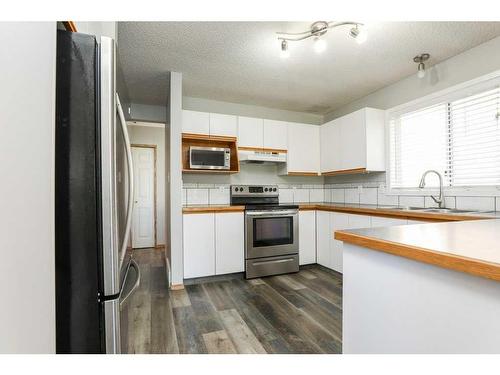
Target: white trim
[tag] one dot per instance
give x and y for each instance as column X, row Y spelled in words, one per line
column 147, row 124
column 428, row 100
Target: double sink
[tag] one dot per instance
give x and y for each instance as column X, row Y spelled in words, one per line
column 436, row 210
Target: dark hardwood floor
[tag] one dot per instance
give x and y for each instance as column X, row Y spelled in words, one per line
column 296, row 313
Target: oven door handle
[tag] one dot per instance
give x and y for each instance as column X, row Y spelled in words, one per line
column 258, row 263
column 272, row 212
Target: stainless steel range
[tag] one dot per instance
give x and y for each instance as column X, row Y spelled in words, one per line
column 271, row 230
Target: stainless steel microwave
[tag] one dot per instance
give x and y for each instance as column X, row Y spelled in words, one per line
column 209, row 157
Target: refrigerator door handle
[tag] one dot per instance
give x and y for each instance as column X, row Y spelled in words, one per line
column 130, row 168
column 135, row 266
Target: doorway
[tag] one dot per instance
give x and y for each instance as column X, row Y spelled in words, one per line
column 144, row 215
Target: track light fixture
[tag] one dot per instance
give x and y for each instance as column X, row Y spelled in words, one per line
column 419, row 59
column 317, row 30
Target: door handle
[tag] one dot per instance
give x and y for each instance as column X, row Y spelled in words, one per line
column 130, row 169
column 135, row 266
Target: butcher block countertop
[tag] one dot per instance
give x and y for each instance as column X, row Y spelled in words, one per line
column 361, row 209
column 209, row 208
column 472, row 247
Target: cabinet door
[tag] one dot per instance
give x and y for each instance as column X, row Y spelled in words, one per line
column 410, row 222
column 359, row 221
column 353, row 144
column 225, row 125
column 386, row 222
column 330, row 146
column 338, row 221
column 322, row 238
column 275, row 134
column 307, row 237
column 195, row 122
column 229, row 243
column 250, row 132
column 199, row 245
column 303, row 148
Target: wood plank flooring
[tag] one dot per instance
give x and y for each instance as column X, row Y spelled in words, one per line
column 295, row 313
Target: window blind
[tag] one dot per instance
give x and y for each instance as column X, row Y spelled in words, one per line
column 459, row 138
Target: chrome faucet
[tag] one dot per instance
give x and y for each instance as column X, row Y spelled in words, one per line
column 439, row 200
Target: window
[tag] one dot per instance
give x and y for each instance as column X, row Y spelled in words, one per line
column 458, row 137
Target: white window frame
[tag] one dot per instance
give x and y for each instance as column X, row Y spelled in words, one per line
column 448, row 94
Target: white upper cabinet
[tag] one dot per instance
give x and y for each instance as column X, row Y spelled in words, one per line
column 354, row 141
column 195, row 122
column 275, row 134
column 250, row 132
column 303, row 148
column 225, row 125
column 330, row 146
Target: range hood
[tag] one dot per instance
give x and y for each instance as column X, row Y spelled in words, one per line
column 261, row 157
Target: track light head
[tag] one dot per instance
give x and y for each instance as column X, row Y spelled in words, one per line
column 358, row 33
column 285, row 52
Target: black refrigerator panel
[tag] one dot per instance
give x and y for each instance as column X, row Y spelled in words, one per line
column 79, row 327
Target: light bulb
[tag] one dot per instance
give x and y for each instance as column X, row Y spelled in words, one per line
column 285, row 52
column 362, row 36
column 421, row 70
column 319, row 45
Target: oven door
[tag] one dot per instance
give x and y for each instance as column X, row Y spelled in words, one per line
column 271, row 233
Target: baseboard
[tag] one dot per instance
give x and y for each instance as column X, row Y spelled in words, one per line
column 160, row 246
column 177, row 286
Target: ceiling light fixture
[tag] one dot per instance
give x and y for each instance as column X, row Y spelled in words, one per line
column 285, row 53
column 318, row 29
column 419, row 59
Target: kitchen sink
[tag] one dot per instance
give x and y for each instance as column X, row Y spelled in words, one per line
column 408, row 208
column 448, row 210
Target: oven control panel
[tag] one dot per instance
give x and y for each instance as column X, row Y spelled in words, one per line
column 254, row 190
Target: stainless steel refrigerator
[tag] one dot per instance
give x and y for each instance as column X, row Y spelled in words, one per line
column 95, row 272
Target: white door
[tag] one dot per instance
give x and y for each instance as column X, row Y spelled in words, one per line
column 143, row 222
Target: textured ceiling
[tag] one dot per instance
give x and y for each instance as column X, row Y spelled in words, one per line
column 240, row 62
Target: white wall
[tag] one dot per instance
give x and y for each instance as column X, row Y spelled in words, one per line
column 154, row 136
column 27, row 121
column 468, row 65
column 175, row 178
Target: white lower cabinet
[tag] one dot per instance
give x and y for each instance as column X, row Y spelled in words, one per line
column 323, row 235
column 307, row 237
column 213, row 244
column 378, row 221
column 199, row 245
column 359, row 221
column 229, row 243
column 338, row 221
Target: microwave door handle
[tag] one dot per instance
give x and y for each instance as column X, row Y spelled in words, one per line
column 130, row 169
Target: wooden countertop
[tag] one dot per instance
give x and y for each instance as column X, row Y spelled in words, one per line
column 366, row 209
column 387, row 211
column 209, row 208
column 468, row 246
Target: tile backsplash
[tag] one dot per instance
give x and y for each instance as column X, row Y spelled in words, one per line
column 371, row 192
